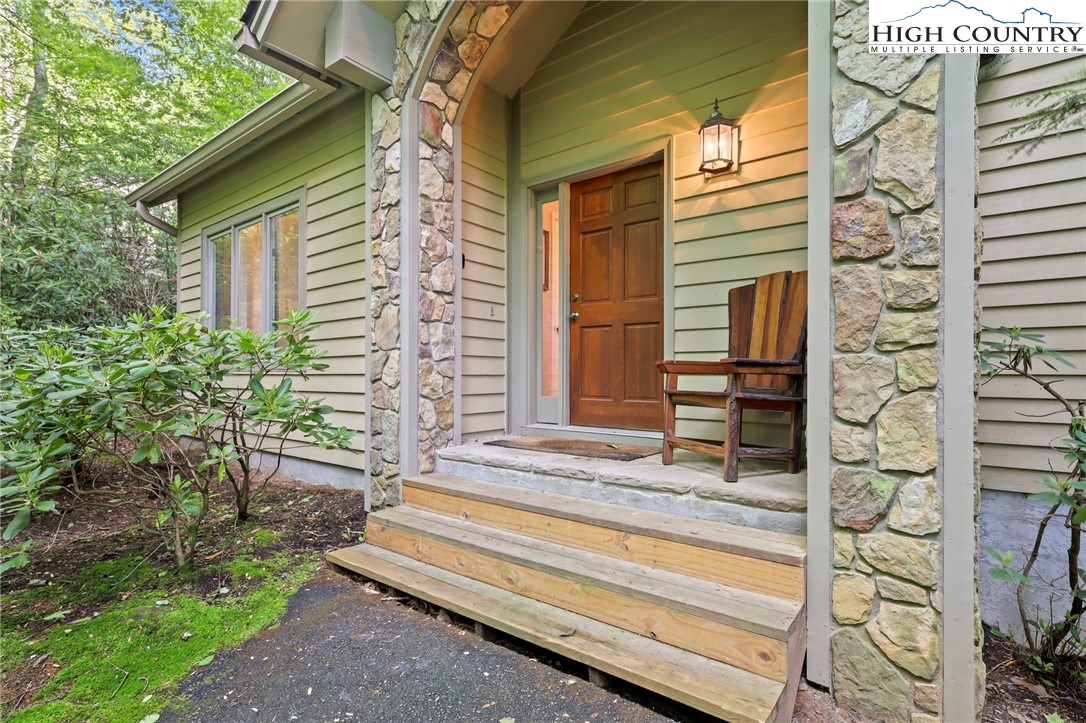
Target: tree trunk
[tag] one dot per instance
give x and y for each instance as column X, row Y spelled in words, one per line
column 243, row 501
column 1062, row 628
column 23, row 150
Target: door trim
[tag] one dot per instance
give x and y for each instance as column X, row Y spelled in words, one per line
column 522, row 378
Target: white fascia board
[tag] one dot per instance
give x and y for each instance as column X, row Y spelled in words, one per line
column 262, row 18
column 273, row 112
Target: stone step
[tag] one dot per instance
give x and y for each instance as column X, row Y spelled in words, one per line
column 748, row 630
column 718, row 689
column 755, row 560
column 765, row 497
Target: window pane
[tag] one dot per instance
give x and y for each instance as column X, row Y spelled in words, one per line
column 284, row 246
column 220, row 296
column 250, row 276
column 551, row 302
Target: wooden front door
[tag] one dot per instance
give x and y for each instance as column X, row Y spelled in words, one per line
column 617, row 299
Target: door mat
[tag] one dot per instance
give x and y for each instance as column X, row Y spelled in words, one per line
column 578, row 447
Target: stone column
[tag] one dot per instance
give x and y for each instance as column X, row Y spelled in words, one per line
column 414, row 29
column 471, row 30
column 887, row 470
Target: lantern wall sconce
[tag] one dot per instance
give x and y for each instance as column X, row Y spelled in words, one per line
column 719, row 143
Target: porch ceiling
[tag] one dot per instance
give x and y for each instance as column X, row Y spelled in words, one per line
column 535, row 29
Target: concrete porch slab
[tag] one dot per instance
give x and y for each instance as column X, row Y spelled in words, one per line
column 765, row 496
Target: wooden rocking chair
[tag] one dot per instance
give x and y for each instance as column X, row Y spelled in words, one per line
column 768, row 334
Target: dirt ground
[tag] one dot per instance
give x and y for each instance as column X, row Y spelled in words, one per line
column 1015, row 693
column 310, row 518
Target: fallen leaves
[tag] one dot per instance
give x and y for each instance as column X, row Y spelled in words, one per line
column 1035, row 688
column 58, row 615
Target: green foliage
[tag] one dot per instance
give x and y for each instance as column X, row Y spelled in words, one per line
column 1011, row 350
column 180, row 407
column 1055, row 647
column 133, row 634
column 97, row 96
column 1055, row 111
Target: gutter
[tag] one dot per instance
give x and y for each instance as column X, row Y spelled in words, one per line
column 145, row 214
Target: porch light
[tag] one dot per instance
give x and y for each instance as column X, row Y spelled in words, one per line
column 718, row 142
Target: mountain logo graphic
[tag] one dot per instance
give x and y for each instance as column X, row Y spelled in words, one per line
column 977, row 26
column 1030, row 15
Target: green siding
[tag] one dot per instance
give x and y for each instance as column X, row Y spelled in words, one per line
column 326, row 156
column 484, row 176
column 1034, row 211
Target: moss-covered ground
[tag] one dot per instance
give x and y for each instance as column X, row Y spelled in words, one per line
column 104, row 629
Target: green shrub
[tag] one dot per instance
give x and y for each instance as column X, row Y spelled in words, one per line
column 1055, row 644
column 180, row 407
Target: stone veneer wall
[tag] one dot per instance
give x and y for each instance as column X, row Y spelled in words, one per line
column 461, row 51
column 886, row 483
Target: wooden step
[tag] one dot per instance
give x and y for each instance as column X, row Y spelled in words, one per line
column 718, row 689
column 738, row 627
column 756, row 560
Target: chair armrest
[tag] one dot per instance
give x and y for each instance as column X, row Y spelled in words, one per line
column 780, row 367
column 691, row 367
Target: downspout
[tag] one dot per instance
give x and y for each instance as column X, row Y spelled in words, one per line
column 160, row 224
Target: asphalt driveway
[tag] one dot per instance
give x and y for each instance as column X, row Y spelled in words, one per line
column 347, row 652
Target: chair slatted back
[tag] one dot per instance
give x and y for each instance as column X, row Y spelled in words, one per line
column 768, row 320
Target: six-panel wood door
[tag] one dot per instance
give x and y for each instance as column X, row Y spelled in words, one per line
column 617, row 299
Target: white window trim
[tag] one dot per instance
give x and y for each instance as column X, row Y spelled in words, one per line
column 279, row 204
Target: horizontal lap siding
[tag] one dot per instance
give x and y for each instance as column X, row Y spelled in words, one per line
column 484, row 176
column 327, row 156
column 628, row 73
column 1034, row 267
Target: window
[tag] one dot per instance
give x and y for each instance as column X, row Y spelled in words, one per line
column 253, row 270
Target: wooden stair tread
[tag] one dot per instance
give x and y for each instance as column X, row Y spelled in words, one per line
column 694, row 560
column 755, row 612
column 760, row 544
column 713, row 687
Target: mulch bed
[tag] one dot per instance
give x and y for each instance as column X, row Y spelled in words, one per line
column 1015, row 693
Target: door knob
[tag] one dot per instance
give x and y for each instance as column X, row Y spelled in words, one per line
column 574, row 315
